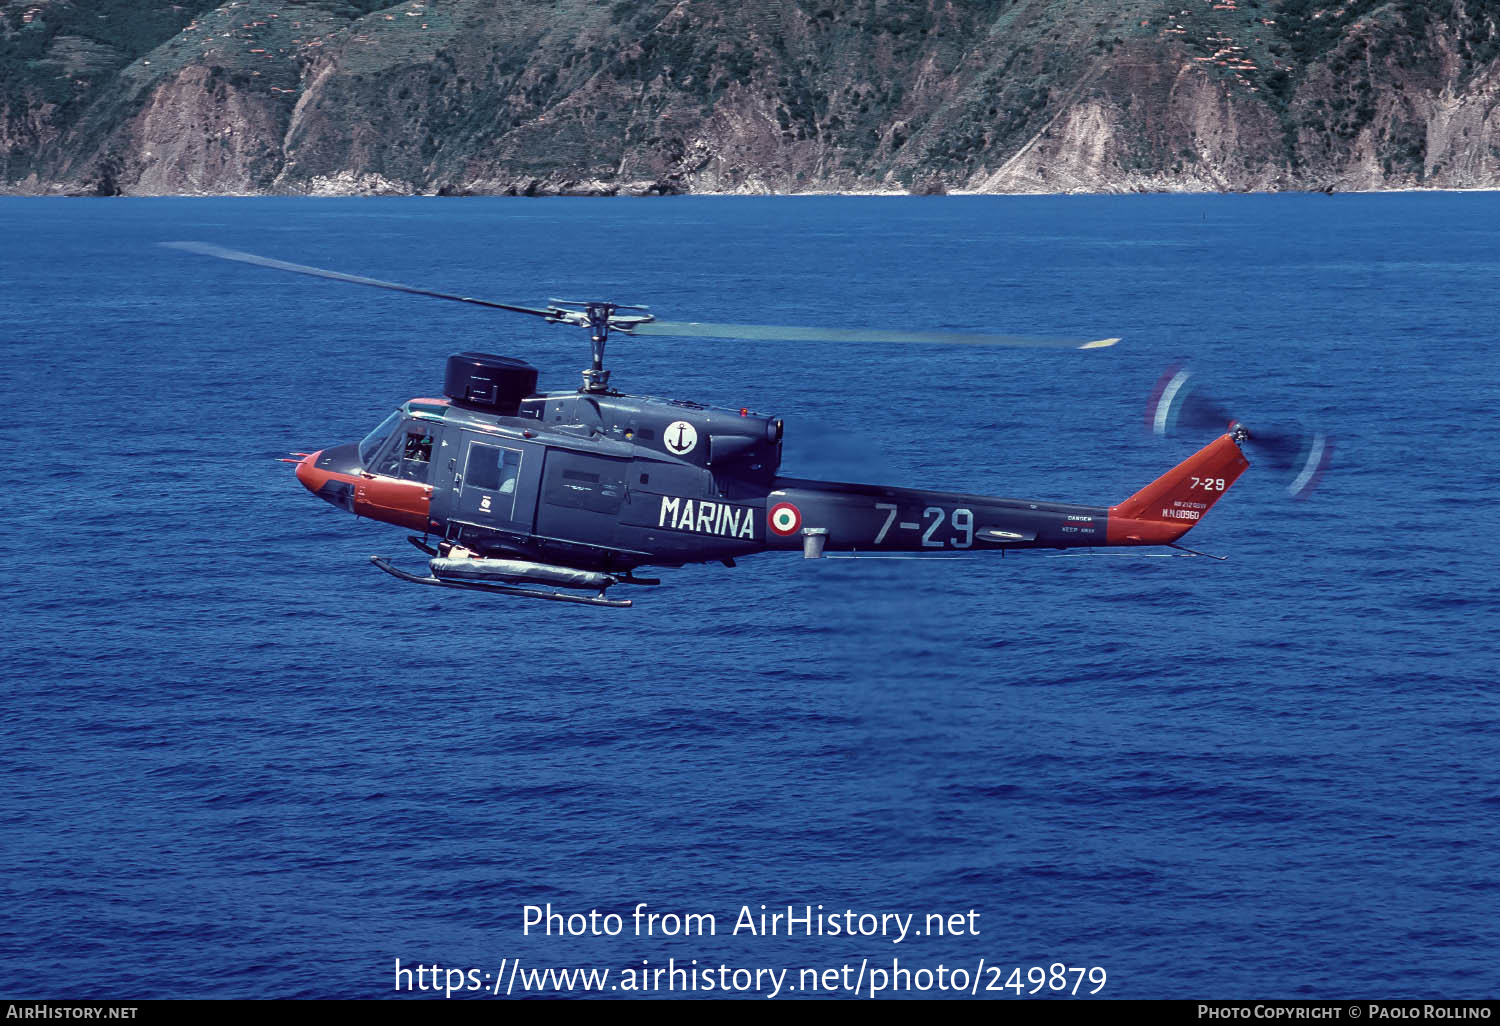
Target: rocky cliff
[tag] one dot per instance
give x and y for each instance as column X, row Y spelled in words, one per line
column 658, row 96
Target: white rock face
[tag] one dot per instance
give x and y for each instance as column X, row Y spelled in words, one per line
column 483, row 96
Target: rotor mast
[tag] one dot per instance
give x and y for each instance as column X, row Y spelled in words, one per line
column 596, row 378
column 600, row 318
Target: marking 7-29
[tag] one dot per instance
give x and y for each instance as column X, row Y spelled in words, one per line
column 933, row 520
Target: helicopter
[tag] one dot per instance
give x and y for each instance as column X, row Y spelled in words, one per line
column 560, row 496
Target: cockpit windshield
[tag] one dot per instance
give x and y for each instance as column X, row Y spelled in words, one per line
column 372, row 442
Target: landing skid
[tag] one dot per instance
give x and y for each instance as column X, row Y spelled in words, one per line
column 502, row 589
column 625, row 578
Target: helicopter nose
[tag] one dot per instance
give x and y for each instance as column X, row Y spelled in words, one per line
column 307, row 472
column 329, row 474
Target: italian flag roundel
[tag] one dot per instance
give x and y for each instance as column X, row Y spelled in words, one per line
column 785, row 519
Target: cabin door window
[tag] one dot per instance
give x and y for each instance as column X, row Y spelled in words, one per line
column 488, row 486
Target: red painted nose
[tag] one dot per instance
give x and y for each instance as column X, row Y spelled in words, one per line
column 307, row 472
column 328, row 482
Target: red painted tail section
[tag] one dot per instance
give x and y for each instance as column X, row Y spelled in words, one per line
column 1168, row 507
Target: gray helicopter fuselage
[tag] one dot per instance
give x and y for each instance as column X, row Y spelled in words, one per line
column 611, row 482
column 592, row 480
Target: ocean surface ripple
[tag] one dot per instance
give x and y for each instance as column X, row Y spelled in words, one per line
column 239, row 762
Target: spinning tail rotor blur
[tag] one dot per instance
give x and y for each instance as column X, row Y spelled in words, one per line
column 1180, row 406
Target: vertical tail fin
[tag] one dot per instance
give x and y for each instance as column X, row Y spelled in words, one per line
column 1168, row 507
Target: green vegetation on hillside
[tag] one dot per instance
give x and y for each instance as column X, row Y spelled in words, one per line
column 804, row 93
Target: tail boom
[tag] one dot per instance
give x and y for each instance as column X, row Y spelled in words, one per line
column 877, row 518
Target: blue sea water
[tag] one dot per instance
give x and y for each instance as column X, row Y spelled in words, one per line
column 237, row 761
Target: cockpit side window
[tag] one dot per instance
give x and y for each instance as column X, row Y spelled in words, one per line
column 418, row 447
column 388, row 462
column 416, row 452
column 370, row 446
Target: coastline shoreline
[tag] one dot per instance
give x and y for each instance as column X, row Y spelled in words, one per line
column 811, row 193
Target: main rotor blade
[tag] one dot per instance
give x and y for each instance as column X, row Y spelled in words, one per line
column 798, row 333
column 208, row 249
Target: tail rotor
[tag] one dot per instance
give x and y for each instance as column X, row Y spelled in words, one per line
column 1179, row 405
